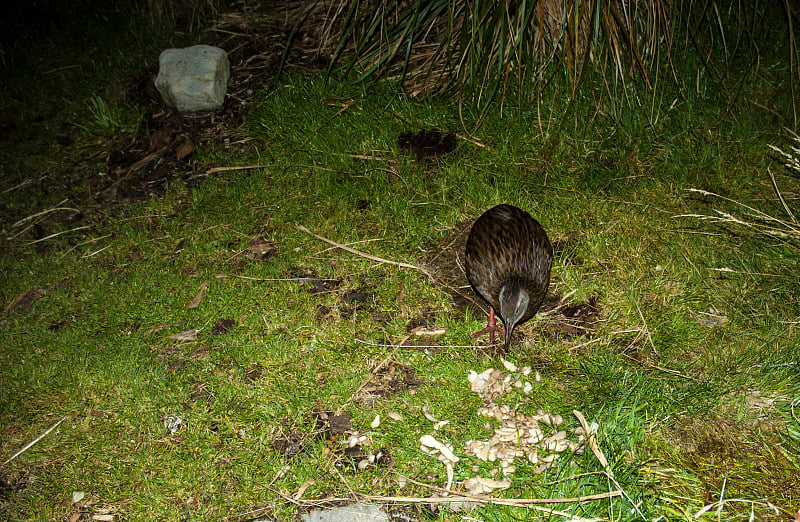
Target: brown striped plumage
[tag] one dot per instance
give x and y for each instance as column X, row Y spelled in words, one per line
column 508, row 260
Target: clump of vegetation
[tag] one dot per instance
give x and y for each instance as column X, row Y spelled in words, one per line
column 490, row 48
column 110, row 120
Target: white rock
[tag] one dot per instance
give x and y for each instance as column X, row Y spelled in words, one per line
column 352, row 513
column 193, row 78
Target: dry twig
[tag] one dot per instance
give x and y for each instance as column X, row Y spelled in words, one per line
column 363, row 254
column 29, row 445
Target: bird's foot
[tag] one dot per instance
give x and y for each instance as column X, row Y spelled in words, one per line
column 491, row 328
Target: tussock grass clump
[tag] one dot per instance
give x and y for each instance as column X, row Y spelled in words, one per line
column 491, row 48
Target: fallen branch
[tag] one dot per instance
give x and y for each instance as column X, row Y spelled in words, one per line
column 364, row 254
column 213, row 170
column 305, row 279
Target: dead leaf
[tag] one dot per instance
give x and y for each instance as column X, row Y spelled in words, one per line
column 188, row 335
column 139, row 165
column 184, row 149
column 160, row 139
column 422, row 330
column 262, row 249
column 482, row 485
column 199, row 297
column 303, row 488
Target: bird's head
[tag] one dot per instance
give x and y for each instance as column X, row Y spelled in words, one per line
column 514, row 301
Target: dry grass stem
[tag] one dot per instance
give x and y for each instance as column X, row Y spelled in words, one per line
column 421, row 346
column 92, row 254
column 56, row 234
column 492, row 500
column 271, row 279
column 88, row 241
column 665, row 370
column 591, row 439
column 57, row 208
column 768, row 225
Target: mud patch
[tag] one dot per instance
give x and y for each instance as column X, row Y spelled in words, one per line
column 10, row 484
column 323, row 286
column 345, row 447
column 352, row 303
column 319, row 424
column 574, row 320
column 425, row 319
column 423, row 343
column 427, row 144
column 387, row 380
column 223, row 325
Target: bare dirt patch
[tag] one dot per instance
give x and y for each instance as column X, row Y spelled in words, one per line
column 386, row 380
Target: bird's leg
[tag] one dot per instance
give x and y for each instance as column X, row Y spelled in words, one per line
column 491, row 328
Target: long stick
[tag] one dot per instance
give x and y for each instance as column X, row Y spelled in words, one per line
column 363, row 254
column 34, row 441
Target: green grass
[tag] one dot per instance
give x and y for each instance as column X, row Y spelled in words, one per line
column 690, row 374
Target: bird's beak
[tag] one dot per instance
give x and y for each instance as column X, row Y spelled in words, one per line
column 509, row 332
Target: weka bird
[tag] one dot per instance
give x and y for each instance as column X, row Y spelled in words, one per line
column 508, row 260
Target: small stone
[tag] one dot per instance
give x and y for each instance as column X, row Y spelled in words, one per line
column 193, row 78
